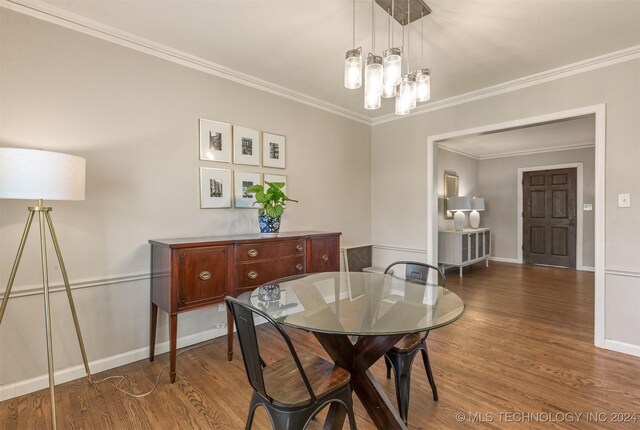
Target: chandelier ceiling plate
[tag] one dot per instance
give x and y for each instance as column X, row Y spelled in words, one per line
column 418, row 7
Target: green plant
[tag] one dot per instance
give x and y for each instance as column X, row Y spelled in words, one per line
column 273, row 199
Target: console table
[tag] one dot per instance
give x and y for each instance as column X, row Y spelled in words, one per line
column 193, row 273
column 463, row 248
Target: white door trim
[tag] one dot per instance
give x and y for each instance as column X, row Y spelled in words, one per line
column 579, row 202
column 600, row 119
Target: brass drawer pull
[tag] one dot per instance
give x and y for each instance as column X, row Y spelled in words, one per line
column 299, row 247
column 325, row 257
column 299, row 267
column 204, row 275
column 252, row 253
column 252, row 275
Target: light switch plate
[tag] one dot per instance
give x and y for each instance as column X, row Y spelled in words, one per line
column 624, row 200
column 587, row 207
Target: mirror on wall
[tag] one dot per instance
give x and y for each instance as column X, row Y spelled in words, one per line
column 450, row 190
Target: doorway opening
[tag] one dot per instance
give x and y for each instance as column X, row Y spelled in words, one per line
column 597, row 112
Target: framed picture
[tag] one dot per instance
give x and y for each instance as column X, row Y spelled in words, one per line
column 450, row 190
column 274, row 150
column 215, row 141
column 242, row 180
column 215, row 188
column 276, row 178
column 246, row 146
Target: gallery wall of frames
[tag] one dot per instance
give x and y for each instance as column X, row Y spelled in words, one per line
column 227, row 143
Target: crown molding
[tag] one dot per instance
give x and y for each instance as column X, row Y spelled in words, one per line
column 523, row 152
column 90, row 27
column 606, row 60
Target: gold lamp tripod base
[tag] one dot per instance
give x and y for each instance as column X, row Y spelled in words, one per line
column 44, row 217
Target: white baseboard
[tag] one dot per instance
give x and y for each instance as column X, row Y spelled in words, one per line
column 15, row 389
column 505, row 260
column 626, row 348
column 516, row 261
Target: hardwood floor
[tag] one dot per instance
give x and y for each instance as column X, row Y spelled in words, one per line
column 524, row 346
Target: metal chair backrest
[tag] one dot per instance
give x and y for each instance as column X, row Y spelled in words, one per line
column 415, row 270
column 243, row 316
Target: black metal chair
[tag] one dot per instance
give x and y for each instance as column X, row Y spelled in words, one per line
column 291, row 390
column 401, row 356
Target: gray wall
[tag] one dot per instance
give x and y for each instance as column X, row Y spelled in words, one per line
column 499, row 186
column 134, row 118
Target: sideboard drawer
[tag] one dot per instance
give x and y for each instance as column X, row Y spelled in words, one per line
column 263, row 250
column 202, row 275
column 251, row 275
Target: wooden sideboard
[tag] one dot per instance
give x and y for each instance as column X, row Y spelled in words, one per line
column 193, row 273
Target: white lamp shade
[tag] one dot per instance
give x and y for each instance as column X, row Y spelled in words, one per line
column 477, row 203
column 459, row 203
column 34, row 174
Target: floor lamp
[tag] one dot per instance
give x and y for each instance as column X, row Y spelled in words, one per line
column 39, row 175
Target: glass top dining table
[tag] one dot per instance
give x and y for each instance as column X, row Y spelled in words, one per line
column 357, row 303
column 378, row 309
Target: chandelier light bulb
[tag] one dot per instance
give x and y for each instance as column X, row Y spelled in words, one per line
column 372, row 100
column 389, row 91
column 353, row 69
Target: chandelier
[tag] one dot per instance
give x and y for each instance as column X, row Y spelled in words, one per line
column 383, row 74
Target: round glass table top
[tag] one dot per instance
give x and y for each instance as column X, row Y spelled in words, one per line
column 357, row 303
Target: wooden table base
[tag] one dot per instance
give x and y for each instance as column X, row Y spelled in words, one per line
column 357, row 359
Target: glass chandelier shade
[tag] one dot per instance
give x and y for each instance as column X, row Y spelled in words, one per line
column 423, row 85
column 353, row 69
column 373, row 75
column 403, row 98
column 392, row 67
column 411, row 83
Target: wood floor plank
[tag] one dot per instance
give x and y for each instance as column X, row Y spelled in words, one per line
column 524, row 346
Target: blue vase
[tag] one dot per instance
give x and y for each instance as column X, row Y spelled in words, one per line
column 268, row 226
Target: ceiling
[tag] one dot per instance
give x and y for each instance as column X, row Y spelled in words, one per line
column 554, row 136
column 299, row 45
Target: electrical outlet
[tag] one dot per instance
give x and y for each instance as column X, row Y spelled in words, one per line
column 221, row 325
column 587, row 207
column 624, row 200
column 221, row 308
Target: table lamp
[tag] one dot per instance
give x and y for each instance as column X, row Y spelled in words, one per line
column 38, row 175
column 458, row 205
column 477, row 204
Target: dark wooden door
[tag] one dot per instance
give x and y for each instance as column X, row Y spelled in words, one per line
column 549, row 217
